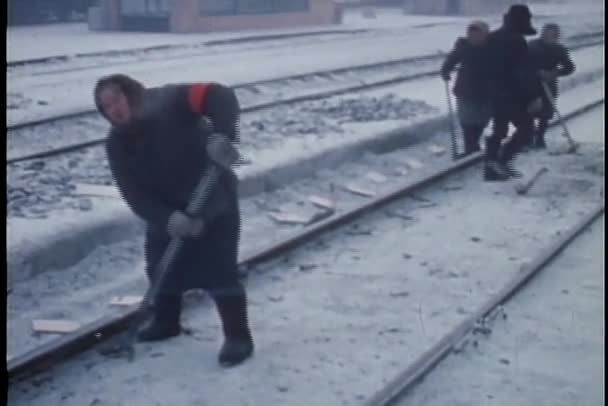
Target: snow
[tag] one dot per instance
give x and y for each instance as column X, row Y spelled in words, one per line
column 553, row 337
column 276, row 151
column 378, row 296
column 68, row 91
column 34, row 42
column 25, row 43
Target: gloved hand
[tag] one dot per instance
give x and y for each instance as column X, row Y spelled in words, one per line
column 221, row 150
column 182, row 226
column 535, row 106
column 547, row 75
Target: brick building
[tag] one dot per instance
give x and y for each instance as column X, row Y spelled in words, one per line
column 457, row 7
column 186, row 16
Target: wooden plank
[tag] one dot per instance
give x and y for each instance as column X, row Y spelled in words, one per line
column 414, row 163
column 289, row 218
column 437, row 150
column 401, row 171
column 85, row 189
column 55, row 326
column 127, row 300
column 358, row 190
column 322, row 202
column 376, row 177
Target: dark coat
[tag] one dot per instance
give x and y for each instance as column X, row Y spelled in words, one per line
column 512, row 78
column 157, row 162
column 472, row 81
column 550, row 57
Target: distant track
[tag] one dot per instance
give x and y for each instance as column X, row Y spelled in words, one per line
column 52, row 353
column 92, row 118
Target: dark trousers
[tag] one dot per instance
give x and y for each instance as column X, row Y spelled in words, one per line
column 472, row 135
column 541, row 129
column 230, row 301
column 505, row 113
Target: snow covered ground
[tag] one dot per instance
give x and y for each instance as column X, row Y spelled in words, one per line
column 394, row 35
column 34, row 42
column 271, row 138
column 97, row 278
column 549, row 351
column 336, row 319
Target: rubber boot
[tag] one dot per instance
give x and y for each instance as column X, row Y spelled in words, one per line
column 510, row 169
column 471, row 139
column 165, row 320
column 494, row 171
column 539, row 139
column 238, row 342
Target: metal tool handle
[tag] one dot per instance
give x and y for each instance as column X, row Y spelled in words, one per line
column 197, row 202
column 551, row 99
column 455, row 153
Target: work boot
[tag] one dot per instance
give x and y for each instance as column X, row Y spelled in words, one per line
column 511, row 171
column 164, row 322
column 539, row 139
column 539, row 142
column 471, row 136
column 494, row 171
column 238, row 343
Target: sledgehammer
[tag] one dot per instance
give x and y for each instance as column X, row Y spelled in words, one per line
column 522, row 188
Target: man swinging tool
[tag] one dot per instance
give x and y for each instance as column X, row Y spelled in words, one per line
column 472, row 85
column 550, row 60
column 157, row 152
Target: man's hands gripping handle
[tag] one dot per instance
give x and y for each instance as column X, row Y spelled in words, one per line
column 222, row 155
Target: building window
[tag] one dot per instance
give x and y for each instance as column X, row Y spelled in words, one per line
column 233, row 7
column 218, row 7
column 287, row 6
column 144, row 7
column 254, row 7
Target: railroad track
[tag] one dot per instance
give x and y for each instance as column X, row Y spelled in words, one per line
column 453, row 341
column 175, row 47
column 87, row 124
column 25, row 365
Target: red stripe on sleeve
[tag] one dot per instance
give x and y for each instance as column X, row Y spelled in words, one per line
column 197, row 94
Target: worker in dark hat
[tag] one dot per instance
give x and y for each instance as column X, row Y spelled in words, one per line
column 514, row 92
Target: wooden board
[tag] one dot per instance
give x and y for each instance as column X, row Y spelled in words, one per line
column 85, row 189
column 437, row 150
column 358, row 190
column 322, row 202
column 414, row 164
column 401, row 171
column 376, row 177
column 128, row 300
column 289, row 218
column 55, row 326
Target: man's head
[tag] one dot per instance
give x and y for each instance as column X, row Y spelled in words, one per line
column 550, row 33
column 519, row 18
column 118, row 98
column 477, row 32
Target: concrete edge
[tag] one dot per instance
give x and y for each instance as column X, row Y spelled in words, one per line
column 69, row 243
column 74, row 241
column 211, row 43
column 12, row 126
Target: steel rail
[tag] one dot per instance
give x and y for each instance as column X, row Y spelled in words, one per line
column 49, row 354
column 407, row 379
